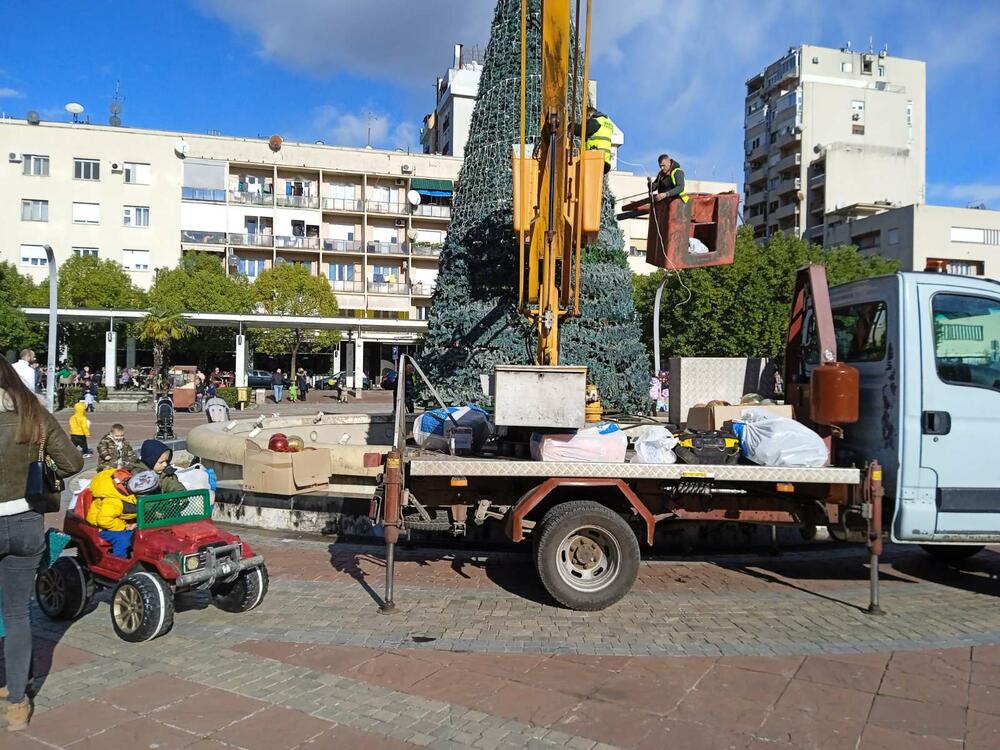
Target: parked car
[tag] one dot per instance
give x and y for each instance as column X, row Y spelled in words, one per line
column 259, row 379
column 328, row 381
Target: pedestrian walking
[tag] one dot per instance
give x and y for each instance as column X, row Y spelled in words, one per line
column 24, row 370
column 278, row 382
column 302, row 381
column 26, row 429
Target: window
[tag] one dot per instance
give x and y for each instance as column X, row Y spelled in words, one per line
column 909, row 121
column 971, row 234
column 343, row 191
column 847, row 67
column 857, row 110
column 36, row 166
column 136, row 173
column 341, row 272
column 857, row 129
column 967, row 339
column 881, row 71
column 86, row 213
column 958, row 267
column 388, row 274
column 861, row 332
column 86, row 169
column 34, row 210
column 135, row 260
column 33, row 255
column 252, row 267
column 866, row 64
column 421, row 312
column 85, row 252
column 892, row 236
column 136, row 216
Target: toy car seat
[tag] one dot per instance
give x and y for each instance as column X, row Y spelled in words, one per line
column 76, row 523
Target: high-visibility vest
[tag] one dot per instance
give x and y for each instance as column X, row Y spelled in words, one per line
column 683, row 195
column 601, row 140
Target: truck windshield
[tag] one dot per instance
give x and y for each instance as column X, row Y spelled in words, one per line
column 967, row 339
column 860, row 330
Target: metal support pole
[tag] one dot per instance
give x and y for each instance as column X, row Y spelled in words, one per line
column 392, row 487
column 50, row 368
column 656, row 324
column 873, row 486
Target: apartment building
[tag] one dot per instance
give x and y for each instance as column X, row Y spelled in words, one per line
column 370, row 221
column 831, row 136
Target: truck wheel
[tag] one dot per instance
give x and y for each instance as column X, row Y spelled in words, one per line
column 142, row 607
column 64, row 589
column 243, row 594
column 952, row 553
column 587, row 555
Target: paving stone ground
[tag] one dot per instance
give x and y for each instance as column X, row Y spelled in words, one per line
column 736, row 652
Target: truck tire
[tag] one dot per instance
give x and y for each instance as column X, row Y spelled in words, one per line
column 142, row 607
column 242, row 594
column 64, row 589
column 952, row 553
column 587, row 555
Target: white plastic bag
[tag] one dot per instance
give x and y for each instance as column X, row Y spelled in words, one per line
column 196, row 477
column 599, row 443
column 697, row 247
column 655, row 446
column 771, row 440
column 430, row 428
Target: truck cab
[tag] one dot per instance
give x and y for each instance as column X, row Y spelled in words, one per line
column 927, row 347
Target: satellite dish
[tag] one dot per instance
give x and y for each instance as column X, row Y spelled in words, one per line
column 413, row 197
column 74, row 109
column 33, row 118
column 274, row 142
column 411, row 234
column 234, row 260
column 181, row 147
column 116, row 108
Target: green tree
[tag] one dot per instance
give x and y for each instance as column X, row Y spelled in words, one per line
column 291, row 290
column 162, row 328
column 742, row 310
column 17, row 291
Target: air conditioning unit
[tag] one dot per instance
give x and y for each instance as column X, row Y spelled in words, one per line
column 856, row 117
column 400, row 222
column 400, row 182
column 14, row 158
column 406, row 169
column 116, row 166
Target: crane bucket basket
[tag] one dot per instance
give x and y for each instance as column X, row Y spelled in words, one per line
column 708, row 218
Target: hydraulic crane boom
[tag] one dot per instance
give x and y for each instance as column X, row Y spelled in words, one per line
column 557, row 189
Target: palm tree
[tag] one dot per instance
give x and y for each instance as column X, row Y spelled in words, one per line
column 161, row 329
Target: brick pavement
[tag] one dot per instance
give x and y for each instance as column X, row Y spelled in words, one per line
column 741, row 652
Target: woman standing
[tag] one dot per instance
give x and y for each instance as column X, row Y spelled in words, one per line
column 24, row 424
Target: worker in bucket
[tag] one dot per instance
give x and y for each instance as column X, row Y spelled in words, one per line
column 600, row 128
column 669, row 181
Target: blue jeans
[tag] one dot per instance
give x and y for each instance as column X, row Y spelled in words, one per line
column 277, row 393
column 120, row 541
column 22, row 541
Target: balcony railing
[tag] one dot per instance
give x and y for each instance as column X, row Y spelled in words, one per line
column 343, row 204
column 430, row 210
column 203, row 194
column 788, row 185
column 422, row 290
column 387, row 248
column 252, row 199
column 419, row 249
column 757, row 175
column 203, row 238
column 298, row 201
column 342, row 246
column 383, row 207
column 353, row 287
column 252, row 240
column 385, row 287
column 792, row 160
column 300, row 243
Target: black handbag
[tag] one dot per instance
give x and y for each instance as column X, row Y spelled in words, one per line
column 42, row 477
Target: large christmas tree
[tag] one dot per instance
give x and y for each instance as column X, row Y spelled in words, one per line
column 474, row 323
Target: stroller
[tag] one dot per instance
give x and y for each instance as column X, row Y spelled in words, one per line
column 164, row 418
column 217, row 410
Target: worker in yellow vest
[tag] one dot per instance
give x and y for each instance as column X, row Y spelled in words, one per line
column 669, row 181
column 599, row 131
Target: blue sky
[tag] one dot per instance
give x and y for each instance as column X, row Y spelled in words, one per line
column 670, row 74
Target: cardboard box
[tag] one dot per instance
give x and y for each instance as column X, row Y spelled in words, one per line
column 285, row 473
column 713, row 417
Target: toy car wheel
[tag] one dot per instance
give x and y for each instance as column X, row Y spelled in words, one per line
column 142, row 607
column 242, row 594
column 64, row 590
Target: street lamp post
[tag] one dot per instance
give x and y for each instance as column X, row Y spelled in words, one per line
column 50, row 380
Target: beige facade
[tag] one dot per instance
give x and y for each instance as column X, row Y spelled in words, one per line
column 831, row 131
column 967, row 240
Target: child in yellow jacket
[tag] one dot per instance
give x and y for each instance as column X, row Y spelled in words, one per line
column 79, row 428
column 113, row 509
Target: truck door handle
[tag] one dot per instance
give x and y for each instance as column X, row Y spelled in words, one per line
column 935, row 422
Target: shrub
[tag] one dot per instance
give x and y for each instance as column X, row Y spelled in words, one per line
column 73, row 393
column 229, row 395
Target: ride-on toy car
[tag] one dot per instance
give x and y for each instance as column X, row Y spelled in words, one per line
column 176, row 548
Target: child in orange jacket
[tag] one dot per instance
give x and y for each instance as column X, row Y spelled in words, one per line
column 79, row 428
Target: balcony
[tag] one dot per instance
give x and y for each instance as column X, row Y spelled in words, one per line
column 756, row 153
column 348, row 287
column 783, row 212
column 210, row 195
column 342, row 246
column 252, row 240
column 383, row 207
column 792, row 160
column 298, row 201
column 203, row 238
column 422, row 290
column 817, row 180
column 757, row 175
column 754, row 198
column 247, row 198
column 425, row 249
column 387, row 248
column 297, row 243
column 352, row 205
column 432, row 212
column 755, row 118
column 387, row 287
column 786, row 138
column 788, row 185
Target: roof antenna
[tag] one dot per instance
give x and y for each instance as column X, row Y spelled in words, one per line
column 116, row 107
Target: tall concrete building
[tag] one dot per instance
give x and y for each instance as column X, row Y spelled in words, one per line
column 832, row 135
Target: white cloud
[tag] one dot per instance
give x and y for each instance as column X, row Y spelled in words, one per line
column 9, row 93
column 339, row 128
column 973, row 192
